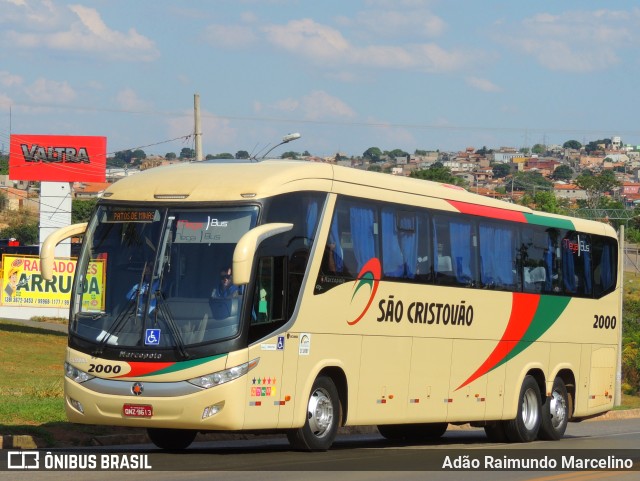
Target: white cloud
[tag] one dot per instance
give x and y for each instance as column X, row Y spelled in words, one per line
column 215, row 131
column 576, row 41
column 127, row 99
column 5, row 102
column 76, row 28
column 308, row 38
column 482, row 84
column 326, row 45
column 50, row 91
column 318, row 105
column 393, row 22
column 9, row 80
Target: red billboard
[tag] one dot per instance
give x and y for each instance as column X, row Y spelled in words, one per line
column 58, row 158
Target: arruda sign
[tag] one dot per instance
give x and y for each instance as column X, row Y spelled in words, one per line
column 58, row 158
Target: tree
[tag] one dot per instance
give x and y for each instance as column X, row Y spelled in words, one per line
column 223, row 155
column 484, row 151
column 139, row 154
column 81, row 209
column 398, row 153
column 530, row 182
column 562, row 172
column 4, row 200
column 242, row 154
column 187, row 153
column 438, row 174
column 501, row 170
column 170, row 156
column 373, row 154
column 538, row 149
column 572, row 144
column 595, row 145
column 123, row 157
column 4, row 165
column 290, row 155
column 24, row 226
column 596, row 186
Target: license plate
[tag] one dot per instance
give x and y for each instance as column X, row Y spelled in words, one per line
column 137, row 410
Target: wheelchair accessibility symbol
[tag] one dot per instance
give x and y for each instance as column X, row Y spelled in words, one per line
column 152, row 337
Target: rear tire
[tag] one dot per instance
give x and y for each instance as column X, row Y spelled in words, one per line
column 171, row 439
column 555, row 412
column 524, row 428
column 413, row 432
column 324, row 416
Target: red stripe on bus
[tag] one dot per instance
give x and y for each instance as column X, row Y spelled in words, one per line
column 491, row 212
column 523, row 308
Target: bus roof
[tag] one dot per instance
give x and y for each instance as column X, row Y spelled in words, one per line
column 233, row 180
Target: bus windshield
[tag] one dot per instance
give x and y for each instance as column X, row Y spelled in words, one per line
column 159, row 278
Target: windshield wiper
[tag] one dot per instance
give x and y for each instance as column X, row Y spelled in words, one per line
column 116, row 325
column 161, row 306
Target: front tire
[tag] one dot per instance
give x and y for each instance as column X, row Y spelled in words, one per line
column 555, row 412
column 171, row 439
column 324, row 415
column 524, row 428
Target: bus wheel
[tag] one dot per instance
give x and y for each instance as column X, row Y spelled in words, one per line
column 413, row 432
column 524, row 428
column 555, row 412
column 171, row 439
column 496, row 432
column 324, row 413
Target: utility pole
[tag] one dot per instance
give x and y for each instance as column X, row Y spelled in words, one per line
column 197, row 129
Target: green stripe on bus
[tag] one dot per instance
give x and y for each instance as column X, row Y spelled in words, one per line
column 549, row 221
column 180, row 366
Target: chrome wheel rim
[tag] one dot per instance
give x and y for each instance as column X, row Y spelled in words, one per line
column 558, row 409
column 320, row 412
column 530, row 411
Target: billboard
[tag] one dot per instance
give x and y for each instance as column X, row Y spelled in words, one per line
column 23, row 284
column 58, row 158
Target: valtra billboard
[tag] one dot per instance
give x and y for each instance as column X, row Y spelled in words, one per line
column 58, row 158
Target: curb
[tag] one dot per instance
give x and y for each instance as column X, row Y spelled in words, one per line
column 27, row 442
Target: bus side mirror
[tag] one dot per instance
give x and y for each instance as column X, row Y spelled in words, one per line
column 245, row 250
column 47, row 251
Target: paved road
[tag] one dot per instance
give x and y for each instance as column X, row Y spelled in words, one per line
column 369, row 457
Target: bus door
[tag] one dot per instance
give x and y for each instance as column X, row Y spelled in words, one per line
column 264, row 384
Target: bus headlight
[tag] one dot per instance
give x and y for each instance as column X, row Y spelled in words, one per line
column 221, row 377
column 76, row 374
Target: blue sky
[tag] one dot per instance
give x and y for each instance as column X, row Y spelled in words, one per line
column 347, row 75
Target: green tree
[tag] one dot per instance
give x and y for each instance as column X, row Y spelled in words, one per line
column 484, row 150
column 81, row 210
column 594, row 145
column 438, row 174
column 187, row 153
column 4, row 200
column 170, row 156
column 538, row 149
column 374, row 168
column 242, row 154
column 4, row 164
column 223, row 155
column 372, row 154
column 24, row 226
column 290, row 155
column 501, row 170
column 572, row 144
column 596, row 186
column 123, row 157
column 562, row 172
column 398, row 153
column 542, row 200
column 530, row 182
column 139, row 154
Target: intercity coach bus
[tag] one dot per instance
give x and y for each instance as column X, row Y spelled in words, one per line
column 361, row 299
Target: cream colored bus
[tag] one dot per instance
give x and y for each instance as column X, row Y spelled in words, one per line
column 358, row 299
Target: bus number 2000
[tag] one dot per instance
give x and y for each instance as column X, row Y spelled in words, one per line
column 107, row 369
column 604, row 322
